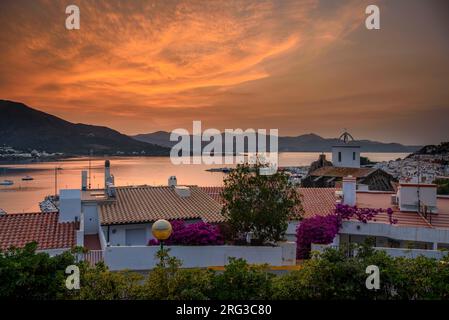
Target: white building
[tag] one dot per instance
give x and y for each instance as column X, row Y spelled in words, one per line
column 346, row 153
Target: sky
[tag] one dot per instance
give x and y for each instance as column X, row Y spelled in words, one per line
column 298, row 66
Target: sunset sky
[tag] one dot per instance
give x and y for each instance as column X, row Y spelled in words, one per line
column 298, row 66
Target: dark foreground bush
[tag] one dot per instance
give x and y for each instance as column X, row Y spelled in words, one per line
column 333, row 274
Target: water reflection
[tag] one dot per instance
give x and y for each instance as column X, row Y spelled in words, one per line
column 24, row 196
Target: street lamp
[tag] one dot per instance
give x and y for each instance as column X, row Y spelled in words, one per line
column 161, row 230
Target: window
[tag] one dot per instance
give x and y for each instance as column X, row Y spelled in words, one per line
column 339, row 156
column 353, row 156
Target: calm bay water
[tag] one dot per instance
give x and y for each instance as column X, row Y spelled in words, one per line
column 24, row 196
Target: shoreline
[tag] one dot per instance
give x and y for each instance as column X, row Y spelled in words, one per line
column 98, row 157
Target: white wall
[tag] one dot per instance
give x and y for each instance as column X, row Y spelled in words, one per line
column 117, row 233
column 396, row 252
column 290, row 234
column 346, row 156
column 413, row 253
column 69, row 205
column 143, row 257
column 408, row 197
column 119, row 237
column 395, row 232
column 54, row 252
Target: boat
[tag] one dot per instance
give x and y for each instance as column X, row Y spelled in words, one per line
column 27, row 178
column 6, row 183
column 50, row 204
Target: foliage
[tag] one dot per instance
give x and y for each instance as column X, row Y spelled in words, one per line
column 258, row 203
column 168, row 282
column 199, row 233
column 323, row 229
column 336, row 275
column 346, row 212
column 25, row 274
column 241, row 281
column 442, row 186
column 333, row 274
column 317, row 229
column 98, row 283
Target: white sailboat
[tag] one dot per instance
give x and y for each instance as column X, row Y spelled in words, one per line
column 6, row 183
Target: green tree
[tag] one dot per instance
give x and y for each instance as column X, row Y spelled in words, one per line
column 241, row 281
column 258, row 203
column 25, row 274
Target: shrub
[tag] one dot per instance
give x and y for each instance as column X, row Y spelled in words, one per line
column 199, row 233
column 98, row 283
column 25, row 274
column 168, row 282
column 241, row 281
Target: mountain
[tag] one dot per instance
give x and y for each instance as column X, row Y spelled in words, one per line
column 304, row 143
column 24, row 128
column 441, row 149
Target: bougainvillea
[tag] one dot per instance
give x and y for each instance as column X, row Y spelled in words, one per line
column 199, row 233
column 319, row 230
column 323, row 229
column 364, row 215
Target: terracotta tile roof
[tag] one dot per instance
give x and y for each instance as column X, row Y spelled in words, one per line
column 140, row 204
column 19, row 229
column 342, row 172
column 315, row 201
column 318, row 201
column 214, row 193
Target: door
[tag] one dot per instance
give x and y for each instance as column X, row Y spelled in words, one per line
column 90, row 219
column 135, row 237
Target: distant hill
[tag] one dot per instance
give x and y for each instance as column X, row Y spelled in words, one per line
column 24, row 128
column 303, row 143
column 441, row 149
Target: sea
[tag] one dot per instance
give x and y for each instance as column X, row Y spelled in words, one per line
column 24, row 196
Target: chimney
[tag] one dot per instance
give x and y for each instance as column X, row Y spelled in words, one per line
column 83, row 180
column 417, row 197
column 110, row 190
column 349, row 190
column 172, row 181
column 182, row 191
column 107, row 173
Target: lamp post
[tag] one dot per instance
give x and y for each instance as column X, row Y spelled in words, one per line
column 161, row 230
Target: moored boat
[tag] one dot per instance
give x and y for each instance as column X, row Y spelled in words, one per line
column 27, row 178
column 6, row 183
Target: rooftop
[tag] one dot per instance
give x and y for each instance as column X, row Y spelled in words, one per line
column 410, row 219
column 329, row 171
column 140, row 204
column 315, row 201
column 19, row 229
